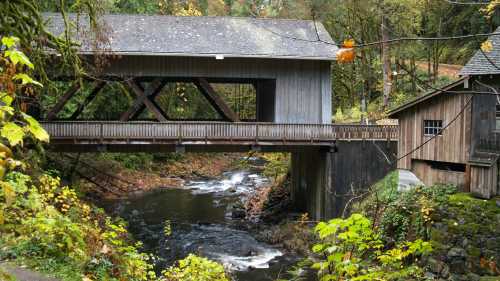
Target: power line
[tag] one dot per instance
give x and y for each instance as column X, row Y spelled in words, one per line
column 395, row 40
column 467, row 3
column 429, row 86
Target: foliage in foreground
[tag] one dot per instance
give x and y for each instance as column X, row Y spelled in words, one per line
column 350, row 249
column 194, row 268
column 46, row 226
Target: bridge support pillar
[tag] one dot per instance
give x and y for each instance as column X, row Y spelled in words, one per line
column 325, row 181
column 311, row 182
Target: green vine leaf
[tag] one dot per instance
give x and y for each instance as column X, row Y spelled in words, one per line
column 25, row 79
column 6, row 99
column 16, row 57
column 10, row 42
column 13, row 133
column 36, row 129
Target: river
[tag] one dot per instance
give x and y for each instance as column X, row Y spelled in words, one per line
column 201, row 222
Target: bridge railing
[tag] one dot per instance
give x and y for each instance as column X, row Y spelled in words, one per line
column 216, row 131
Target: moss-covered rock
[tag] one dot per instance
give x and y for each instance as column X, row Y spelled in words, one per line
column 464, row 231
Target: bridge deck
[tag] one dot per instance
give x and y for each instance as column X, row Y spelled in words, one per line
column 210, row 133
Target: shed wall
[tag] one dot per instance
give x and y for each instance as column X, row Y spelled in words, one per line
column 303, row 87
column 484, row 181
column 452, row 146
column 430, row 176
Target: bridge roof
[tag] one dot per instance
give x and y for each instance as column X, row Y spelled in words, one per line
column 207, row 36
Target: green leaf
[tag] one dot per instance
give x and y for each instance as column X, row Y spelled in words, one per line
column 2, row 217
column 25, row 79
column 6, row 99
column 13, row 133
column 9, row 42
column 16, row 57
column 36, row 129
column 8, row 109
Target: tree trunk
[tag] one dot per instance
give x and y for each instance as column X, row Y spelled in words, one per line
column 413, row 74
column 386, row 62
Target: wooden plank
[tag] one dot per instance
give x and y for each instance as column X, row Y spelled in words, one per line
column 143, row 99
column 98, row 85
column 51, row 115
column 216, row 100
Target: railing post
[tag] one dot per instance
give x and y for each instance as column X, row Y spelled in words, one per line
column 101, row 133
column 257, row 133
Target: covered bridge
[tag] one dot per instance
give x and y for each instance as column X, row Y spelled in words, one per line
column 286, row 62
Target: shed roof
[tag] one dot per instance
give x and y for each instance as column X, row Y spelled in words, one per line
column 480, row 65
column 427, row 96
column 208, row 36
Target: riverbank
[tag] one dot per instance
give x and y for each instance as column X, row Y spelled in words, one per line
column 126, row 174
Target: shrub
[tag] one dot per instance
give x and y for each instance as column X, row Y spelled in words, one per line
column 194, row 268
column 45, row 225
column 351, row 250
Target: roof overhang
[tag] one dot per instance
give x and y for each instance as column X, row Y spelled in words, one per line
column 207, row 55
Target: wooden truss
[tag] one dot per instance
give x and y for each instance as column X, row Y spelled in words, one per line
column 145, row 98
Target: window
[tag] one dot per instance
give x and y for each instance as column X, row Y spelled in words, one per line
column 433, row 127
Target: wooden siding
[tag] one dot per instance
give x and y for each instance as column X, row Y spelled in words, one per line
column 484, row 181
column 430, row 176
column 452, row 146
column 303, row 87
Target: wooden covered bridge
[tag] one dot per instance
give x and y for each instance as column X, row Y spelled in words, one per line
column 286, row 64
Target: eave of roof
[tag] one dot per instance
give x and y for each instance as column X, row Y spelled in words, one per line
column 414, row 102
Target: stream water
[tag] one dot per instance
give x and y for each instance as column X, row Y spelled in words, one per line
column 201, row 222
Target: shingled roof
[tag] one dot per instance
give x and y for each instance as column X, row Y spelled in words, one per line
column 209, row 36
column 479, row 64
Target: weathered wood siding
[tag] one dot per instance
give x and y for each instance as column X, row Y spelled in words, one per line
column 303, row 87
column 452, row 146
column 323, row 183
column 484, row 181
column 430, row 176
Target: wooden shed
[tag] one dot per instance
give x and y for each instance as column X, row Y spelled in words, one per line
column 452, row 135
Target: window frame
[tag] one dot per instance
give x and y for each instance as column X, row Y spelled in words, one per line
column 436, row 126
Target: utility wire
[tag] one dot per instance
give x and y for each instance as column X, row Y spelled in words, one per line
column 429, row 86
column 467, row 3
column 395, row 40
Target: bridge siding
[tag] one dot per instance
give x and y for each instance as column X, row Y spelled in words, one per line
column 303, row 87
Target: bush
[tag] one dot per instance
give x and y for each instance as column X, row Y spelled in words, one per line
column 45, row 225
column 350, row 249
column 194, row 268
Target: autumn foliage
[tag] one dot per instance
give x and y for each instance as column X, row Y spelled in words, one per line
column 346, row 54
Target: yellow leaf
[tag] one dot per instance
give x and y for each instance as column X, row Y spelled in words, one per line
column 2, row 217
column 348, row 43
column 345, row 55
column 13, row 133
column 487, row 46
column 8, row 192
